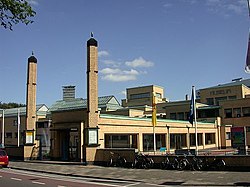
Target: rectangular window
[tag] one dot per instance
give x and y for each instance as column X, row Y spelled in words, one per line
column 180, row 115
column 232, row 97
column 246, row 111
column 158, row 95
column 8, row 135
column 218, row 99
column 228, row 113
column 228, row 135
column 178, row 141
column 237, row 112
column 210, row 101
column 120, row 141
column 140, row 95
column 148, row 141
column 173, row 116
column 210, row 138
column 192, row 139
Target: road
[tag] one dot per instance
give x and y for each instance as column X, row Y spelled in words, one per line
column 114, row 176
column 10, row 178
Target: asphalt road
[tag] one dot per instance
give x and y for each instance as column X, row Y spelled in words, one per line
column 113, row 176
column 10, row 178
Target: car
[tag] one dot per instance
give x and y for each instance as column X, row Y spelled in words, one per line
column 4, row 158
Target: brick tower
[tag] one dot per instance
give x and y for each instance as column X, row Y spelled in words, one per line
column 30, row 107
column 91, row 126
column 92, row 82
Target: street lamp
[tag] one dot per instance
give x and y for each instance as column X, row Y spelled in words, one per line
column 2, row 145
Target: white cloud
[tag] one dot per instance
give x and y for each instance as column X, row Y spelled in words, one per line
column 112, row 63
column 118, row 75
column 119, row 78
column 167, row 5
column 139, row 62
column 225, row 7
column 103, row 53
column 110, row 71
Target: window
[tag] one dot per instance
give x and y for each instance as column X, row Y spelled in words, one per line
column 228, row 136
column 173, row 116
column 237, row 112
column 218, row 99
column 232, row 97
column 210, row 138
column 148, row 141
column 228, row 113
column 42, row 124
column 178, row 141
column 180, row 115
column 120, row 141
column 246, row 111
column 14, row 122
column 140, row 95
column 192, row 139
column 210, row 101
column 158, row 95
column 8, row 135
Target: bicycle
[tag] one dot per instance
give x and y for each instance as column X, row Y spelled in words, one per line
column 215, row 164
column 141, row 161
column 117, row 161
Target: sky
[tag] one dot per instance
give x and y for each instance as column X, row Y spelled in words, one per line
column 175, row 44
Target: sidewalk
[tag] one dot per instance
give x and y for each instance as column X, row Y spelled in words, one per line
column 152, row 176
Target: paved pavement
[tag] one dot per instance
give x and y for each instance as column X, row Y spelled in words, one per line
column 146, row 176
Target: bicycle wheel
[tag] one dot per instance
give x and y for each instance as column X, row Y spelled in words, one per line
column 110, row 163
column 183, row 164
column 121, row 162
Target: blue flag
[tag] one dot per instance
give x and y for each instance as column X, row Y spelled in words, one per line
column 192, row 110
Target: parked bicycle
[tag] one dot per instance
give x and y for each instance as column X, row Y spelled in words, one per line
column 167, row 164
column 143, row 162
column 215, row 164
column 116, row 160
column 193, row 163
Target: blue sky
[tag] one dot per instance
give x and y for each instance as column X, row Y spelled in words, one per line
column 171, row 43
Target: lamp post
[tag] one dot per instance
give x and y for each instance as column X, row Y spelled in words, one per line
column 2, row 128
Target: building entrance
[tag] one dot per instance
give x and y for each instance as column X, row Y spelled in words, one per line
column 69, row 145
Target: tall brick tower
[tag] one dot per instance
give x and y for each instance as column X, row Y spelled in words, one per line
column 30, row 107
column 91, row 126
column 92, row 82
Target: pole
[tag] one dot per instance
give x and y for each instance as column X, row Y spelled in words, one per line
column 3, row 128
column 18, row 126
column 154, row 119
column 195, row 122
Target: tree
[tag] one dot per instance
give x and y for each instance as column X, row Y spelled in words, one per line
column 14, row 12
column 10, row 105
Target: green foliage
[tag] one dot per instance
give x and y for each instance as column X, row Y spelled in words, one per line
column 14, row 12
column 10, row 105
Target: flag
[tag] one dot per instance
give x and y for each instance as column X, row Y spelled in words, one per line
column 153, row 111
column 191, row 117
column 248, row 4
column 247, row 68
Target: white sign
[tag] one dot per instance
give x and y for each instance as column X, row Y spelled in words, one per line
column 93, row 136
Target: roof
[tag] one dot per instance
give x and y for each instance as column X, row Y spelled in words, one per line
column 237, row 82
column 41, row 109
column 80, row 103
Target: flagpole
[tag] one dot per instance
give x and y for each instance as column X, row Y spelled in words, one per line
column 195, row 121
column 154, row 120
column 18, row 126
column 247, row 67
